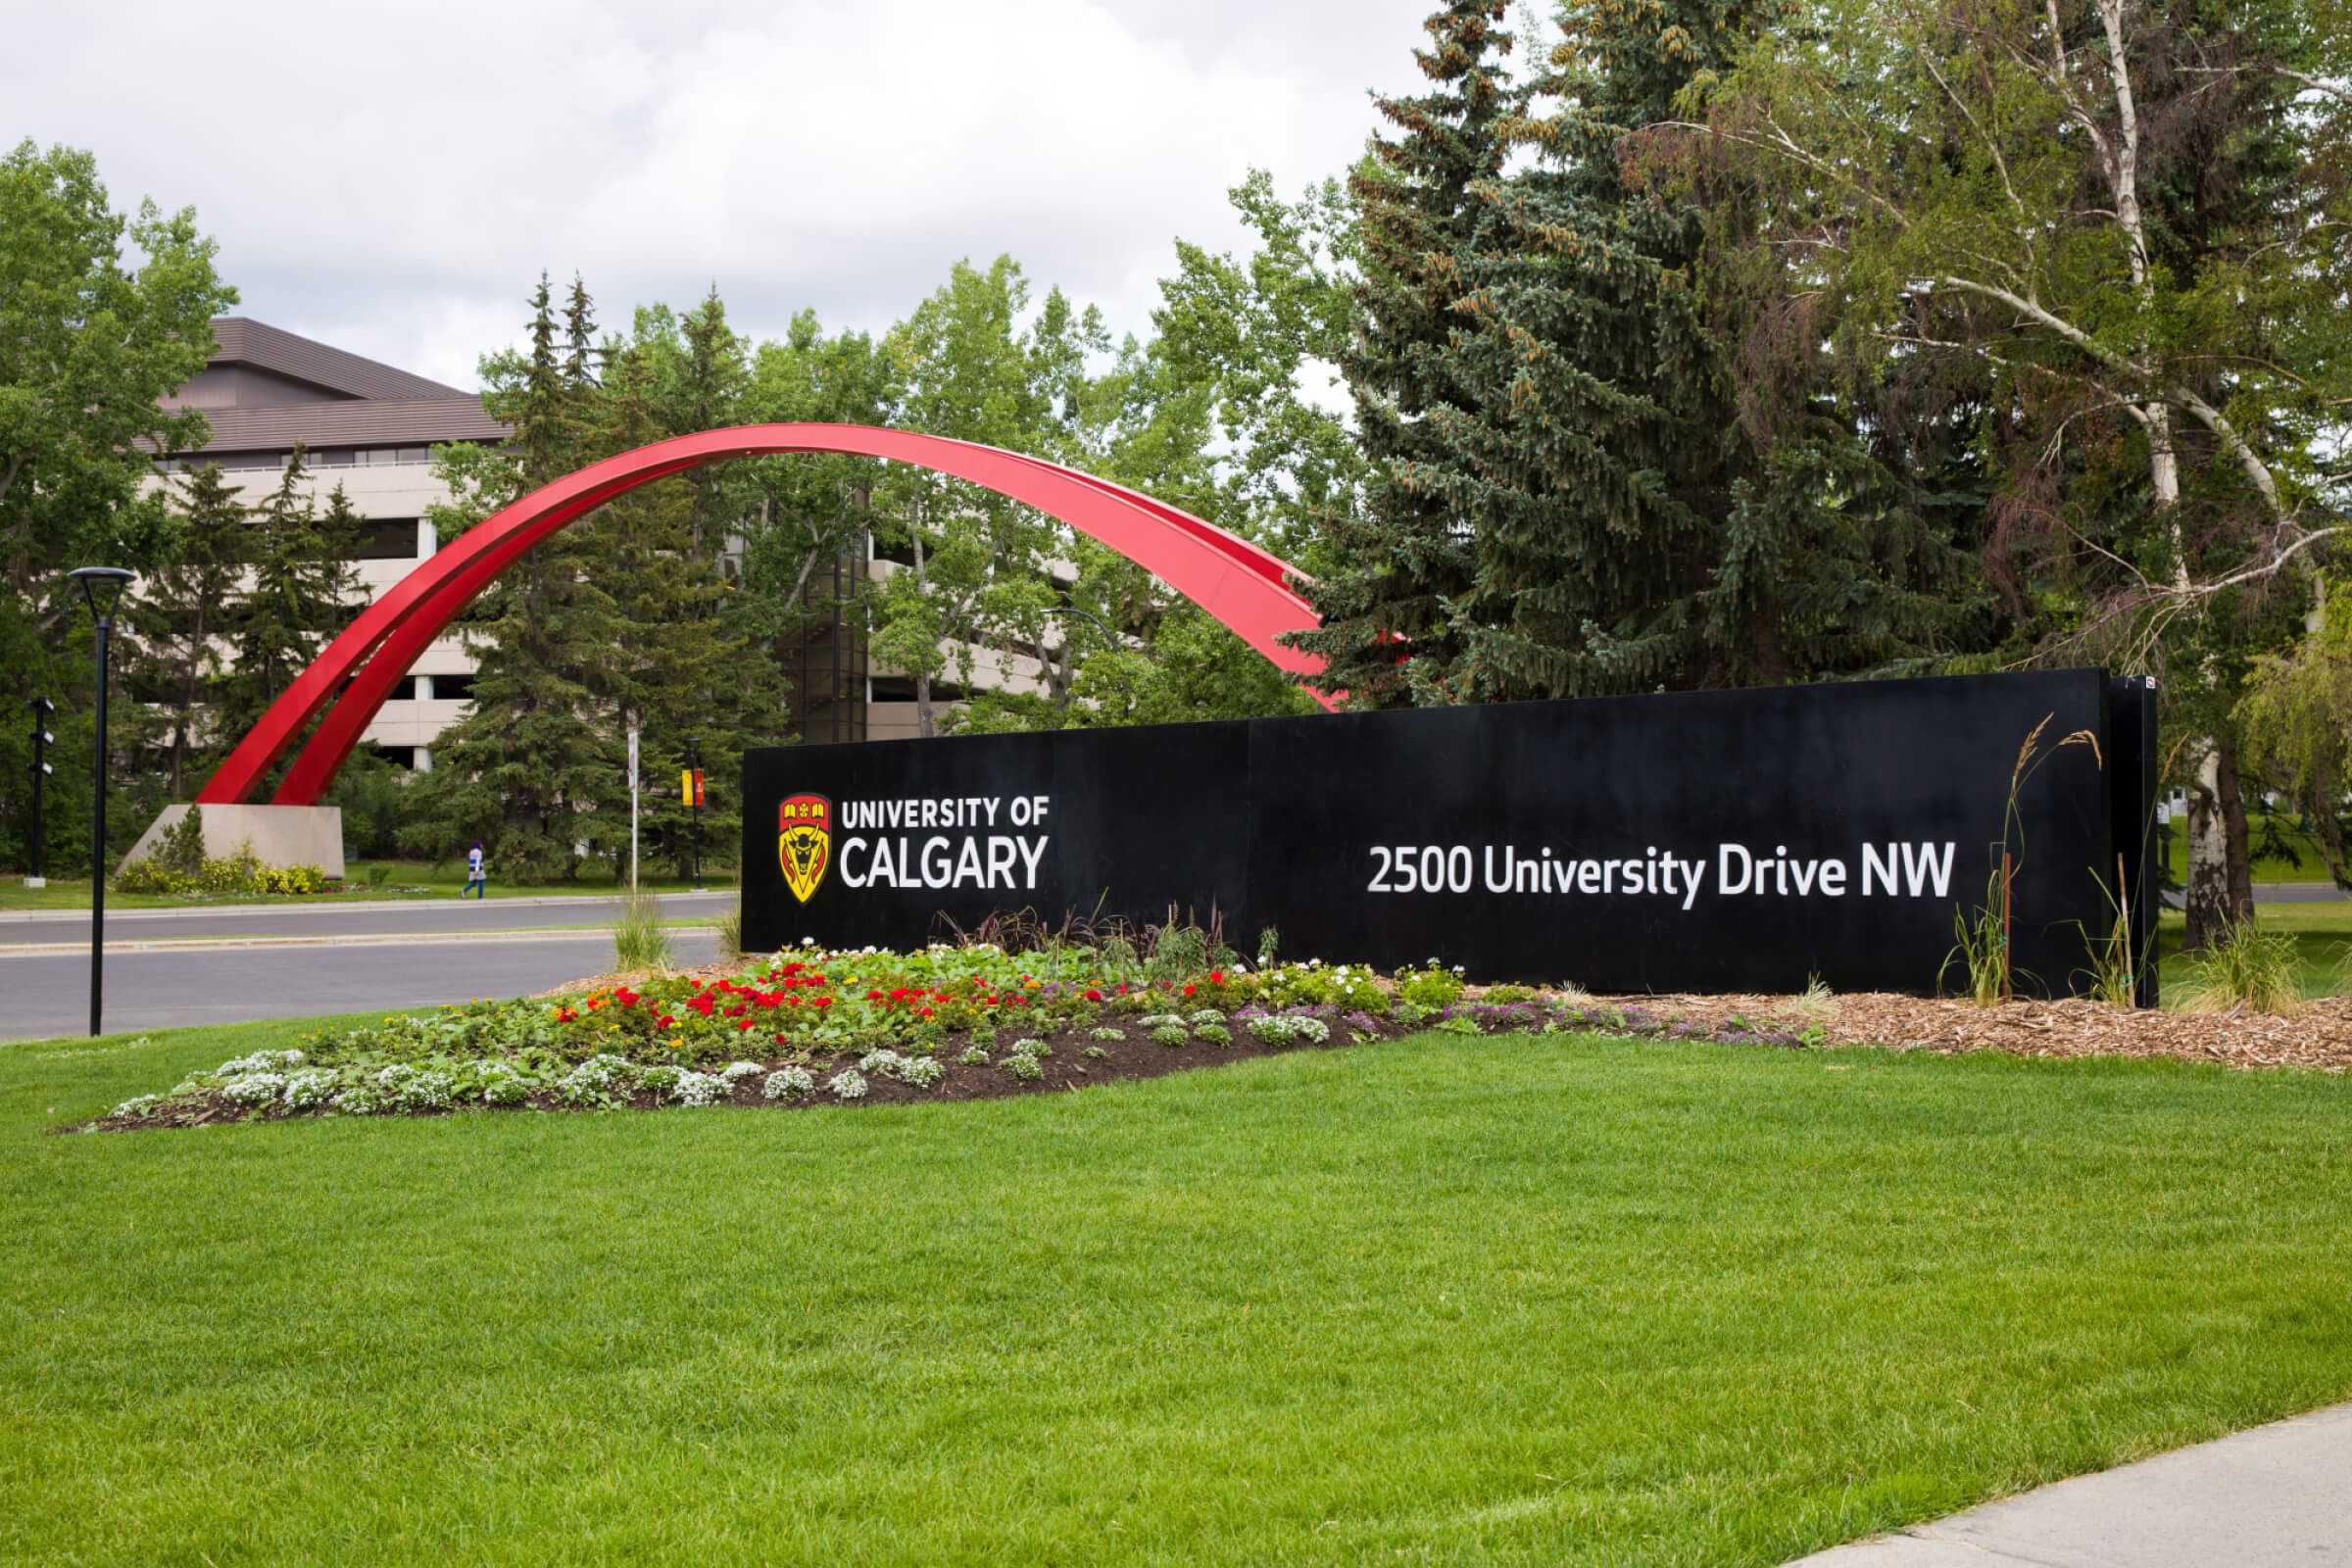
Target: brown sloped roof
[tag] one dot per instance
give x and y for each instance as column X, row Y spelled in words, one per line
column 245, row 341
column 410, row 423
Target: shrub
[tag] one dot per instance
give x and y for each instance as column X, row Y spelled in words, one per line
column 1460, row 1024
column 974, row 1057
column 152, row 876
column 1023, row 1066
column 1171, row 1034
column 1508, row 995
column 181, row 847
column 1216, row 1034
column 1431, row 987
column 1032, row 1048
column 789, row 1083
column 378, row 876
column 1096, row 1051
column 922, row 1072
column 847, row 1084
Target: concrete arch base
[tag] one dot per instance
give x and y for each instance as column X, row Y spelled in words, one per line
column 280, row 835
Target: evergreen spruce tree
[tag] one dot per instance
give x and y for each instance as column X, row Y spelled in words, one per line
column 693, row 661
column 181, row 619
column 1606, row 459
column 528, row 768
column 300, row 583
column 1421, row 201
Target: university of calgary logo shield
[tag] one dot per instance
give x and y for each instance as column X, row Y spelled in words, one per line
column 804, row 841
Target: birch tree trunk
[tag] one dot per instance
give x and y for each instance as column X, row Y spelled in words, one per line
column 2220, row 882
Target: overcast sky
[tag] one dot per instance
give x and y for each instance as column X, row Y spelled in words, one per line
column 392, row 178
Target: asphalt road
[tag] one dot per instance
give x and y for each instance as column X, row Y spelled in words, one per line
column 45, row 994
column 390, row 917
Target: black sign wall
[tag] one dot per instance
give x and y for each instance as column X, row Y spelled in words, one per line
column 1713, row 841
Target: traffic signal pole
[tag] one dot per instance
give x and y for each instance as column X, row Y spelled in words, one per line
column 37, row 876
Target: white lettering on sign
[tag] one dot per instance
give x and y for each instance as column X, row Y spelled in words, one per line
column 1892, row 871
column 915, row 842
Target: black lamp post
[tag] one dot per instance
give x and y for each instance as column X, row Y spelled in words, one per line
column 102, row 590
column 42, row 740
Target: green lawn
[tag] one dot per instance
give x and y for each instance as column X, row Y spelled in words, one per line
column 1460, row 1300
column 2280, row 849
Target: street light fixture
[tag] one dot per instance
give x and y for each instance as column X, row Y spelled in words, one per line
column 1108, row 635
column 102, row 589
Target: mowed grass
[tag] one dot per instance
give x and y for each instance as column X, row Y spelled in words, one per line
column 1445, row 1301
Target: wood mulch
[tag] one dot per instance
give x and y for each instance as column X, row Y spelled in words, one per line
column 2319, row 1034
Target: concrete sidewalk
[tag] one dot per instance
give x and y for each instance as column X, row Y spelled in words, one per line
column 2274, row 1495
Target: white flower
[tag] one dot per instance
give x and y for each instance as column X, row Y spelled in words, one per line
column 308, row 1089
column 848, row 1084
column 788, row 1083
column 736, row 1071
column 701, row 1088
column 253, row 1089
column 139, row 1107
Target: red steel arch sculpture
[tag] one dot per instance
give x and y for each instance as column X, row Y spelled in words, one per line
column 1241, row 585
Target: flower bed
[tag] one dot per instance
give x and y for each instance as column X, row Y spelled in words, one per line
column 863, row 1028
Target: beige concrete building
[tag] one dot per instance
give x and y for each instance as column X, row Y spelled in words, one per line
column 369, row 429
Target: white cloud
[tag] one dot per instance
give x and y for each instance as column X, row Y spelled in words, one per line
column 393, row 179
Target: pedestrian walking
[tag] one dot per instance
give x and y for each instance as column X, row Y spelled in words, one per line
column 473, row 874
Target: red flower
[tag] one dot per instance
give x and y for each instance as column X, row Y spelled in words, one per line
column 1094, row 996
column 825, row 1001
column 1216, row 977
column 1188, row 990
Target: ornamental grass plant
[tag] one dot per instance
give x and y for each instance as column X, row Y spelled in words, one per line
column 640, row 938
column 2253, row 969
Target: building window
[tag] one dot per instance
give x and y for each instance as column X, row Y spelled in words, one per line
column 388, row 539
column 453, row 688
